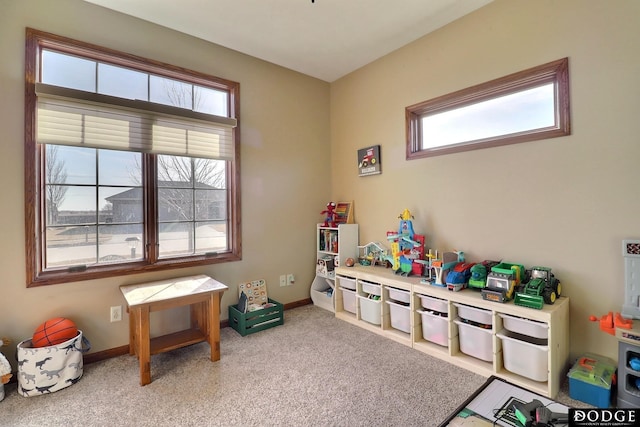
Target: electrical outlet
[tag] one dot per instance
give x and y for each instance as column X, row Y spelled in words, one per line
column 290, row 279
column 283, row 280
column 116, row 313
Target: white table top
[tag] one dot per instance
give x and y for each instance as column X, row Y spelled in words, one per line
column 145, row 293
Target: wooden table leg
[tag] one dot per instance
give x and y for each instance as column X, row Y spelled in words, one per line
column 132, row 332
column 213, row 317
column 143, row 343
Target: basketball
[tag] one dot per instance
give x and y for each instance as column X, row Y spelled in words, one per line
column 54, row 331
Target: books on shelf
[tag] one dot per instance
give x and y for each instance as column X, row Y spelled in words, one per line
column 328, row 240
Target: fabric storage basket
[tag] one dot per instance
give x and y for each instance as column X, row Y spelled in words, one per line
column 47, row 369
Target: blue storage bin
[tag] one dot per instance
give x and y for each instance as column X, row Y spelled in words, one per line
column 591, row 378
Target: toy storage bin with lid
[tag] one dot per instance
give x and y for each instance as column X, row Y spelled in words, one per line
column 527, row 327
column 371, row 288
column 474, row 314
column 369, row 309
column 348, row 300
column 475, row 340
column 435, row 327
column 347, row 282
column 434, row 304
column 398, row 294
column 525, row 355
column 400, row 316
column 590, row 380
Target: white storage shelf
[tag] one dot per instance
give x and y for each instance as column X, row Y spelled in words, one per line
column 441, row 337
column 324, row 292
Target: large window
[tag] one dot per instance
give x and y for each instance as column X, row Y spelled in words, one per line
column 131, row 165
column 529, row 105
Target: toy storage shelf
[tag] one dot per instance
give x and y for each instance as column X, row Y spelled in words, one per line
column 443, row 331
column 332, row 243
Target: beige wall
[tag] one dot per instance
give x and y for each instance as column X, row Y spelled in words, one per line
column 565, row 203
column 285, row 168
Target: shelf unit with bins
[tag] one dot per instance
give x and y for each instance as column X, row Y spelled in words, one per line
column 554, row 317
column 340, row 242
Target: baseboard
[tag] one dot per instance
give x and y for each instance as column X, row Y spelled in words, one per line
column 123, row 350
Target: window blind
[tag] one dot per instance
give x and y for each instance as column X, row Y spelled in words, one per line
column 77, row 118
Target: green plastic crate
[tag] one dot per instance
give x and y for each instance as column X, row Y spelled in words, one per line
column 256, row 321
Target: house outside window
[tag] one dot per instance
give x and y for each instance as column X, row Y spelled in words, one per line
column 131, row 164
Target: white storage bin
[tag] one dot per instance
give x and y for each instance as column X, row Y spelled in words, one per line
column 474, row 314
column 371, row 288
column 434, row 328
column 525, row 326
column 525, row 355
column 400, row 316
column 399, row 294
column 347, row 282
column 369, row 310
column 475, row 341
column 348, row 300
column 435, row 304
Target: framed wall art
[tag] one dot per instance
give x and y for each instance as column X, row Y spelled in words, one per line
column 369, row 161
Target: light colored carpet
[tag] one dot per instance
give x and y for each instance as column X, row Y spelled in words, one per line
column 314, row 370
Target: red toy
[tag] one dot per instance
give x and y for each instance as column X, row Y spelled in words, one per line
column 330, row 219
column 54, row 331
column 609, row 322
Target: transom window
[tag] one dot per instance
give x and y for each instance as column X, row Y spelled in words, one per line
column 529, row 105
column 131, row 164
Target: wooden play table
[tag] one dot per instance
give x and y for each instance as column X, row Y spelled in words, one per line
column 201, row 293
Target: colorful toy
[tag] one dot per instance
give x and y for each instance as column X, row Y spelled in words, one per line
column 406, row 246
column 439, row 267
column 54, row 331
column 502, row 281
column 374, row 253
column 609, row 322
column 459, row 276
column 535, row 414
column 479, row 272
column 542, row 288
column 330, row 218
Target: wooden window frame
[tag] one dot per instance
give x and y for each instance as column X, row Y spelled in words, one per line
column 556, row 72
column 36, row 275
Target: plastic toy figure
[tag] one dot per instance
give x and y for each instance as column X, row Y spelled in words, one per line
column 330, row 219
column 406, row 246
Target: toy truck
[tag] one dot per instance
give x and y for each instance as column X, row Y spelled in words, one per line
column 458, row 278
column 542, row 288
column 479, row 273
column 502, row 281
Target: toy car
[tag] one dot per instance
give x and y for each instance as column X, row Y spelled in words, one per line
column 458, row 278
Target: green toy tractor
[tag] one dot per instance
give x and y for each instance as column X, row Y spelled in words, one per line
column 542, row 288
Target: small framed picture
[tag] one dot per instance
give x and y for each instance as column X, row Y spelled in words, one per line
column 369, row 161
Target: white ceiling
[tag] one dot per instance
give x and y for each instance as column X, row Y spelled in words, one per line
column 326, row 39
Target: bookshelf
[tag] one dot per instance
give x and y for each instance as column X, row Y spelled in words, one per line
column 333, row 246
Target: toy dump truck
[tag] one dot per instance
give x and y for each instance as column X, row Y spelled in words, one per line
column 542, row 288
column 502, row 281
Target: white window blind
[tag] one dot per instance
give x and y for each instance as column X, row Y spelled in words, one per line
column 72, row 117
